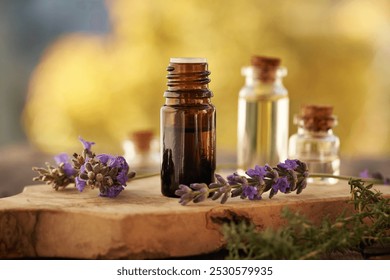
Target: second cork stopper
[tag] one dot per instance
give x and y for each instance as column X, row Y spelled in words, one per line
column 317, row 117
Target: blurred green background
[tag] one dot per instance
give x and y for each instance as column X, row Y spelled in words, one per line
column 105, row 85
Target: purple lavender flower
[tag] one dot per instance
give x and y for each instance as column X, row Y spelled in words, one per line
column 106, row 172
column 257, row 172
column 80, row 184
column 116, row 162
column 112, row 191
column 183, row 189
column 121, row 177
column 186, row 194
column 250, row 192
column 364, row 174
column 68, row 169
column 220, row 179
column 221, row 190
column 281, row 185
column 197, row 192
column 292, row 179
column 236, row 179
column 289, row 164
column 302, row 185
column 219, row 183
column 287, row 177
column 257, row 176
column 87, row 145
column 379, row 176
column 203, row 192
column 271, row 173
column 105, row 158
column 123, row 169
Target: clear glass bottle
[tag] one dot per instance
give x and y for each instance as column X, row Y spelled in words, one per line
column 315, row 143
column 141, row 151
column 263, row 114
column 188, row 126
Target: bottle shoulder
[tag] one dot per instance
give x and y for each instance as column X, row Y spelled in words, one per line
column 315, row 137
column 253, row 91
column 188, row 107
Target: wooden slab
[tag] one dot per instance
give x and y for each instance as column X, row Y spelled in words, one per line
column 140, row 223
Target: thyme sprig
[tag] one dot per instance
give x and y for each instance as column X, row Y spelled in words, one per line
column 300, row 238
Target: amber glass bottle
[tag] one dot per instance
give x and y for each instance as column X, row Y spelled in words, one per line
column 187, row 126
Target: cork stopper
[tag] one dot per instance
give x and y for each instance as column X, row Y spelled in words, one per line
column 317, row 117
column 142, row 139
column 266, row 67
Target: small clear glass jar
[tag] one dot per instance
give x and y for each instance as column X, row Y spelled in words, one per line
column 142, row 152
column 315, row 144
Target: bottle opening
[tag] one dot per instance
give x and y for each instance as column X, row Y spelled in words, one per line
column 188, row 60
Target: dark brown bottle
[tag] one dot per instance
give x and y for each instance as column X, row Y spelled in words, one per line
column 187, row 126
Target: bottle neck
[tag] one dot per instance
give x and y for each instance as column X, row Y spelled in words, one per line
column 188, row 101
column 255, row 76
column 188, row 81
column 313, row 133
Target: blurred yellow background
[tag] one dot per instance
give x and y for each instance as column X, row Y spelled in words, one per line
column 106, row 87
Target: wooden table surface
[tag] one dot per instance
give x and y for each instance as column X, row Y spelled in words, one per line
column 140, row 223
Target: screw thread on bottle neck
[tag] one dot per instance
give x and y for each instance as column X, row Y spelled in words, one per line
column 188, row 76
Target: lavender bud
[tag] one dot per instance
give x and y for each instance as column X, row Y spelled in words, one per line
column 198, row 186
column 131, row 174
column 272, row 193
column 301, row 186
column 113, row 172
column 293, row 179
column 88, row 166
column 99, row 177
column 110, row 182
column 186, row 198
column 216, row 195
column 200, row 198
column 183, row 189
column 224, row 189
column 236, row 192
column 84, row 176
column 96, row 168
column 91, row 175
column 225, row 197
column 214, row 185
column 220, row 179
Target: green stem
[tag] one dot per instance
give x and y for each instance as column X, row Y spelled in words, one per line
column 143, row 176
column 325, row 175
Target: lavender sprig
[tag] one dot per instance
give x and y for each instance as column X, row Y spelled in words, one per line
column 287, row 177
column 106, row 172
column 375, row 176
